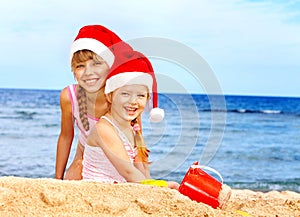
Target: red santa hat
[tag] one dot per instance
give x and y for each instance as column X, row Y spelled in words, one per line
column 134, row 68
column 98, row 39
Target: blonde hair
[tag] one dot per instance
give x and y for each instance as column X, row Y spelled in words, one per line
column 142, row 150
column 79, row 57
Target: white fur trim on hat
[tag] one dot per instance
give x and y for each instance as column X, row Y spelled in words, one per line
column 95, row 46
column 157, row 115
column 128, row 78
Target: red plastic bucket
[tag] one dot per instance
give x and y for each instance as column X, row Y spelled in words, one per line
column 202, row 187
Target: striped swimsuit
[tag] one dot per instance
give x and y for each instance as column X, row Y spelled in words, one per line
column 97, row 167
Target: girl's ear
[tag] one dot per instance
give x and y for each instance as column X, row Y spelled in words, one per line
column 109, row 97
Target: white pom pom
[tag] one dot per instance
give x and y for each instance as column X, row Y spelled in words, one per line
column 157, row 115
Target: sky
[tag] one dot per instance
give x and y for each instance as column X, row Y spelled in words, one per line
column 251, row 47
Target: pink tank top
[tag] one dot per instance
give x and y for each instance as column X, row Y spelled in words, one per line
column 97, row 167
column 82, row 134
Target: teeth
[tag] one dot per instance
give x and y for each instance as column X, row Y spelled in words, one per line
column 91, row 81
column 131, row 109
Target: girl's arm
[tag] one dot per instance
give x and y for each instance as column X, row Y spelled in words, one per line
column 66, row 135
column 105, row 136
column 74, row 171
column 143, row 167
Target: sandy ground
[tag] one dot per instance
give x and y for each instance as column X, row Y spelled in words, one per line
column 50, row 197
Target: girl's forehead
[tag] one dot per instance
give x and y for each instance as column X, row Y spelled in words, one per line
column 134, row 87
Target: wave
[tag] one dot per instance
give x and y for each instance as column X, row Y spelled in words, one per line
column 264, row 185
column 271, row 111
column 266, row 111
column 26, row 115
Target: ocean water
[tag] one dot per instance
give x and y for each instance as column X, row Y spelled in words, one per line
column 252, row 141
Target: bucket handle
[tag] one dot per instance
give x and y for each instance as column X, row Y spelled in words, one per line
column 209, row 169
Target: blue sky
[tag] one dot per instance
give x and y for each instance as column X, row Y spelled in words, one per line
column 253, row 47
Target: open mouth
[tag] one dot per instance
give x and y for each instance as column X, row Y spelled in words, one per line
column 130, row 110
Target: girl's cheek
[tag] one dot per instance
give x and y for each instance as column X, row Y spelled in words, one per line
column 78, row 76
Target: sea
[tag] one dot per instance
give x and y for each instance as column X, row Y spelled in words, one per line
column 246, row 142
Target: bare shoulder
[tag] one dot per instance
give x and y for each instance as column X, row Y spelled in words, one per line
column 104, row 128
column 103, row 132
column 64, row 95
column 65, row 100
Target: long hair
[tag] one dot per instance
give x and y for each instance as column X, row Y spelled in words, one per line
column 79, row 57
column 142, row 151
column 82, row 104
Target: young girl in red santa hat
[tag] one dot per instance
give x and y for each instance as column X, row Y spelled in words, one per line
column 115, row 151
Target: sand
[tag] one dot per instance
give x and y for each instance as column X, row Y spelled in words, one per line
column 50, row 197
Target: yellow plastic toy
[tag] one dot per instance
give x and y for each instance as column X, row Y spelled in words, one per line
column 154, row 182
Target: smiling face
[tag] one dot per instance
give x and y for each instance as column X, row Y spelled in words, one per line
column 90, row 70
column 128, row 102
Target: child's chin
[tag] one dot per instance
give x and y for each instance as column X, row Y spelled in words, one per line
column 131, row 117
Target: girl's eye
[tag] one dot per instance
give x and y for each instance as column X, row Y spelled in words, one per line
column 80, row 66
column 125, row 94
column 98, row 62
column 141, row 95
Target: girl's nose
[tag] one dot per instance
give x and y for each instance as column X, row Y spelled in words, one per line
column 88, row 69
column 132, row 99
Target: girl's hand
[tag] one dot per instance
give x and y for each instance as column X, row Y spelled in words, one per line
column 173, row 185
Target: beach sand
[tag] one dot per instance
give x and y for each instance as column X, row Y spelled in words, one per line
column 50, row 197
